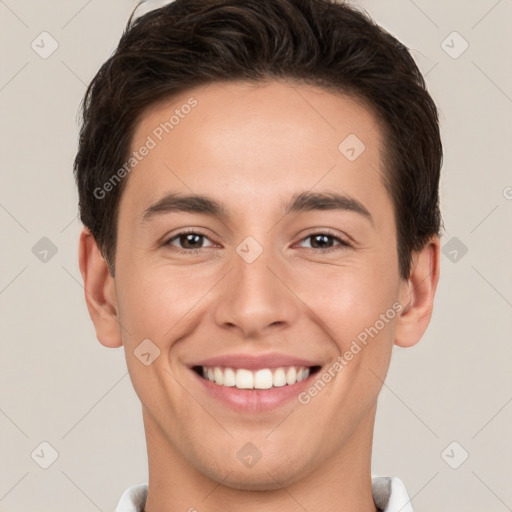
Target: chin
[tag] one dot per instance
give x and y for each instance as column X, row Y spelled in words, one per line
column 262, row 476
column 261, row 481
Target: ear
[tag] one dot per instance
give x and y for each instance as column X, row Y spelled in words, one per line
column 99, row 291
column 417, row 295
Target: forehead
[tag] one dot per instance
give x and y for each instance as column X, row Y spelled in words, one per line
column 249, row 142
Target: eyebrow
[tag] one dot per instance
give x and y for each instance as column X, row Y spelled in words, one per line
column 300, row 202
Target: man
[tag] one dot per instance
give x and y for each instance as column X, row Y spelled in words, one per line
column 259, row 187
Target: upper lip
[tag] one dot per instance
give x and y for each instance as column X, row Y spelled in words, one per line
column 254, row 362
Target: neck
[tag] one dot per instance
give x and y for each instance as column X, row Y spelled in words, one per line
column 340, row 483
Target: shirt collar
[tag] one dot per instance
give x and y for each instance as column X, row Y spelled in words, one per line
column 389, row 494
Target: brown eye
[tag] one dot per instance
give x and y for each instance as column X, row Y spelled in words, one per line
column 188, row 241
column 324, row 242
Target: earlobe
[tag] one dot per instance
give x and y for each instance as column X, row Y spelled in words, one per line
column 417, row 295
column 99, row 291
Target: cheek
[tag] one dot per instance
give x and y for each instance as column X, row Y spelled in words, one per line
column 155, row 305
column 350, row 297
column 157, row 302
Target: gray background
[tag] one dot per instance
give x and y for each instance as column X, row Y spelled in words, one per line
column 59, row 385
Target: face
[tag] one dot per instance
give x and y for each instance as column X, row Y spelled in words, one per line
column 279, row 271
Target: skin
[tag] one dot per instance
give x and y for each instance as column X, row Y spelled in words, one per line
column 250, row 148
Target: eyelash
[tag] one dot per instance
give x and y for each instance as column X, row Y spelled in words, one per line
column 342, row 243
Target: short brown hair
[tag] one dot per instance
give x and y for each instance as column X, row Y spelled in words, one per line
column 324, row 43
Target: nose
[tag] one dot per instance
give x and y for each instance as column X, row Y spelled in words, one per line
column 257, row 297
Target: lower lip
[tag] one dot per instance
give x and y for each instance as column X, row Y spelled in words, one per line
column 254, row 400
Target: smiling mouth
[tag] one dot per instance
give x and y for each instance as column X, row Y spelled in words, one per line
column 264, row 378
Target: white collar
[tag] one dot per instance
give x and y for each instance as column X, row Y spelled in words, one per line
column 389, row 494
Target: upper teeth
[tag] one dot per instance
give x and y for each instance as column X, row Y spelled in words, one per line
column 260, row 379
